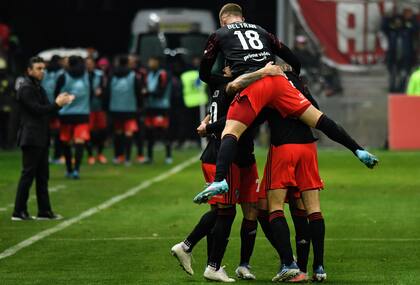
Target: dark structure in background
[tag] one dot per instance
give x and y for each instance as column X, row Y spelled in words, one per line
column 103, row 24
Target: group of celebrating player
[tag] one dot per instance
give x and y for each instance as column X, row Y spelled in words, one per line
column 252, row 90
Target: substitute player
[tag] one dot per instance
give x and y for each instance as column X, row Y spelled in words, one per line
column 74, row 118
column 97, row 118
column 124, row 93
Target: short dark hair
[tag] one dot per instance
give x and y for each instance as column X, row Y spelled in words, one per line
column 33, row 60
column 123, row 60
column 231, row 8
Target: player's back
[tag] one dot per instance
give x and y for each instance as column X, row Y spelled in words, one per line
column 245, row 46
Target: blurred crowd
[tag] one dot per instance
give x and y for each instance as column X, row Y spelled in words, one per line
column 402, row 31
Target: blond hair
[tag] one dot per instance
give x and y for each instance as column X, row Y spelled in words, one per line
column 231, row 9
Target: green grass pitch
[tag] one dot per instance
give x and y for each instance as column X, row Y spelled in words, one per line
column 372, row 219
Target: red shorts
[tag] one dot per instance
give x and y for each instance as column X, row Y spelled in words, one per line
column 157, row 122
column 272, row 91
column 69, row 132
column 97, row 121
column 291, row 166
column 55, row 124
column 233, row 179
column 128, row 125
column 248, row 189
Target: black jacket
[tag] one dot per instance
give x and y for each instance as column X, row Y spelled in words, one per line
column 34, row 109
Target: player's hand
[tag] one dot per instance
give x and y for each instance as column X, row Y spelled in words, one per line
column 64, row 99
column 367, row 158
column 201, row 130
column 98, row 92
column 270, row 69
column 227, row 71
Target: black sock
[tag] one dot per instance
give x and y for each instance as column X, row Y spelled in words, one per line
column 281, row 236
column 139, row 143
column 128, row 143
column 202, row 229
column 248, row 235
column 168, row 149
column 101, row 141
column 302, row 238
column 117, row 145
column 336, row 133
column 263, row 219
column 210, row 242
column 317, row 232
column 227, row 152
column 221, row 232
column 78, row 155
column 89, row 148
column 68, row 156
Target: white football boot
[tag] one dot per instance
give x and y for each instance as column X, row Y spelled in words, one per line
column 244, row 272
column 183, row 257
column 217, row 275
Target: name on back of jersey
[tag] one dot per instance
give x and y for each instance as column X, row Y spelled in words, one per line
column 241, row 26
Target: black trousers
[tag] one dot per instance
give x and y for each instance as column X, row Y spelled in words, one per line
column 35, row 166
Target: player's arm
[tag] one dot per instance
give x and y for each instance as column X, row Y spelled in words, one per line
column 247, row 79
column 210, row 55
column 61, row 80
column 282, row 51
column 216, row 127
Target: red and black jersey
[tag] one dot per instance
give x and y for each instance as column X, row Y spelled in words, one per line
column 289, row 130
column 219, row 105
column 246, row 47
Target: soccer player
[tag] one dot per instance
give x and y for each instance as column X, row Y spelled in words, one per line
column 54, row 70
column 157, row 105
column 123, row 89
column 243, row 176
column 74, row 118
column 97, row 117
column 292, row 171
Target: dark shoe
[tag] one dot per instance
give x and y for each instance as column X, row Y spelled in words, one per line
column 48, row 216
column 21, row 216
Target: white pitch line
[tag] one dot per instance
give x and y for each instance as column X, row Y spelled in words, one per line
column 262, row 238
column 129, row 193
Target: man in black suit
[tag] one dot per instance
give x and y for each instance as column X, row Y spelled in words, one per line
column 33, row 138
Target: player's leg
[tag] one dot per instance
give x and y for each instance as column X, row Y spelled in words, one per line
column 221, row 231
column 302, row 237
column 281, row 235
column 317, row 231
column 65, row 137
column 182, row 251
column 130, row 126
column 81, row 136
column 118, row 141
column 248, row 234
column 93, row 134
column 248, row 198
column 316, row 119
